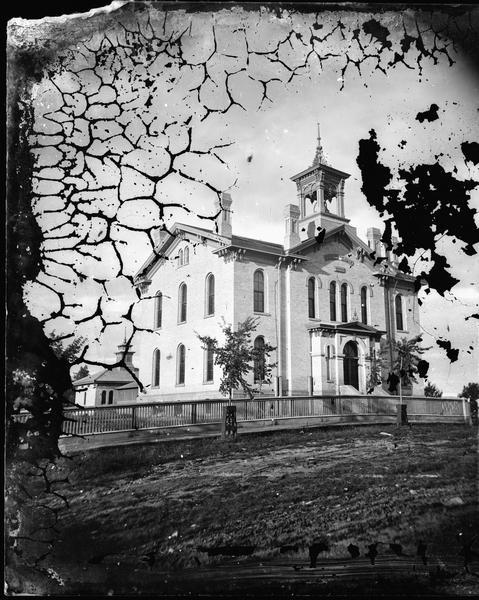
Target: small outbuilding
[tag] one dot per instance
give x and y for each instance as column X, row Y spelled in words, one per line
column 109, row 386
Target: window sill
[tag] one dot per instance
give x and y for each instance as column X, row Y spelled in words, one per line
column 181, row 322
column 208, row 382
column 263, row 314
column 179, row 385
column 209, row 316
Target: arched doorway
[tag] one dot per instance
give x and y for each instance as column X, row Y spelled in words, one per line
column 350, row 364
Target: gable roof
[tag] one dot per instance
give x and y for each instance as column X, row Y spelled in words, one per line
column 115, row 375
column 128, row 386
column 343, row 228
column 160, row 251
column 254, row 244
column 349, row 327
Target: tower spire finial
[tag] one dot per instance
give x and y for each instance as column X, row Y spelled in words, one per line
column 319, row 156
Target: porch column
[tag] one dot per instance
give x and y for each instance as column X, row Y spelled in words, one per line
column 316, row 364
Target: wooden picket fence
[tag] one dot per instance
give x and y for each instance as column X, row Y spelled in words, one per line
column 128, row 417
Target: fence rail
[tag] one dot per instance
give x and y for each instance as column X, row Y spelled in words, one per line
column 128, row 417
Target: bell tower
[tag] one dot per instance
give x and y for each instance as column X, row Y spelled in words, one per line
column 320, row 192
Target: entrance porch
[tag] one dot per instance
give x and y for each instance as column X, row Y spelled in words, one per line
column 343, row 357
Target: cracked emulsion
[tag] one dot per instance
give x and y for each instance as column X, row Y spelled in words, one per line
column 95, row 153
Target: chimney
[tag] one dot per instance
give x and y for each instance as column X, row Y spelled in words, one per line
column 291, row 216
column 374, row 240
column 393, row 255
column 223, row 220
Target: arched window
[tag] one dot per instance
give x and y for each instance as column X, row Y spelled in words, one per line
column 180, row 365
column 344, row 302
column 209, row 364
column 332, row 301
column 259, row 359
column 180, row 258
column 258, row 291
column 329, row 356
column 210, row 294
column 110, row 397
column 182, row 302
column 186, row 256
column 311, row 306
column 399, row 315
column 103, row 397
column 158, row 309
column 364, row 305
column 155, row 380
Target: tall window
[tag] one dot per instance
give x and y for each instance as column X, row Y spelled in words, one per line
column 399, row 315
column 209, row 360
column 103, row 397
column 259, row 360
column 180, row 258
column 328, row 363
column 110, row 397
column 344, row 302
column 182, row 301
column 186, row 256
column 258, row 291
column 311, row 307
column 156, row 368
column 210, row 294
column 332, row 300
column 180, row 365
column 158, row 309
column 364, row 305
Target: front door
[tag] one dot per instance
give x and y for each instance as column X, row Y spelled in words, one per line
column 350, row 364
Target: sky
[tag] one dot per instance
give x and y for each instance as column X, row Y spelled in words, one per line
column 268, row 142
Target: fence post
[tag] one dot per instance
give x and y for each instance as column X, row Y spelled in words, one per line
column 401, row 415
column 310, row 385
column 133, row 415
column 193, row 413
column 465, row 412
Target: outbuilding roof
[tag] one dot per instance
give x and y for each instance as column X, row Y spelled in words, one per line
column 115, row 375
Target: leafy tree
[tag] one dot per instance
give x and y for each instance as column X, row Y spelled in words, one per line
column 29, row 388
column 471, row 391
column 374, row 378
column 69, row 352
column 82, row 372
column 236, row 356
column 432, row 391
column 406, row 357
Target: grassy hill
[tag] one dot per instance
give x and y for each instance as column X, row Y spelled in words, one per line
column 140, row 518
